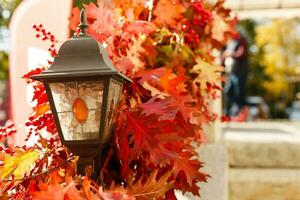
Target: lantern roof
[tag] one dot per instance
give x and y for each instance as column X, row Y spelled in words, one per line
column 80, row 56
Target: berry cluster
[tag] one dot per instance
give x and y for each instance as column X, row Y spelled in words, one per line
column 7, row 130
column 43, row 121
column 194, row 26
column 31, row 73
column 201, row 15
column 46, row 35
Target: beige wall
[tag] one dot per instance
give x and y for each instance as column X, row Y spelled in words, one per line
column 53, row 14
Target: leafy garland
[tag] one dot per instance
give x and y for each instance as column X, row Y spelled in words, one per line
column 165, row 47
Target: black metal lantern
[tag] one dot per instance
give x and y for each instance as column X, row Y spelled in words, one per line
column 83, row 89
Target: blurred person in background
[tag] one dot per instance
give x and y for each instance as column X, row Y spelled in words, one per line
column 236, row 62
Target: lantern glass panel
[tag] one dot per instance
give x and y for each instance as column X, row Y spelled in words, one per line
column 78, row 106
column 115, row 90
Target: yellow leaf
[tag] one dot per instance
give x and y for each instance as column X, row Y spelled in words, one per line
column 19, row 164
column 219, row 28
column 207, row 73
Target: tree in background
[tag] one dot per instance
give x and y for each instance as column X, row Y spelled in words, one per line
column 274, row 55
column 257, row 73
column 6, row 9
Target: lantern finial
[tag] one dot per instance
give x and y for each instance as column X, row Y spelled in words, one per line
column 83, row 23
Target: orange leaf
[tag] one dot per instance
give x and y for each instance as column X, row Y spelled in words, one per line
column 59, row 192
column 74, row 18
column 152, row 188
column 41, row 109
column 86, row 184
column 168, row 12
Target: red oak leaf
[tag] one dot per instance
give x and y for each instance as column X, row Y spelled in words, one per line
column 139, row 26
column 102, row 19
column 163, row 107
column 164, row 139
column 190, row 168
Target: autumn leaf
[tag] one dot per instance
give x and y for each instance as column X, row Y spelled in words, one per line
column 207, row 73
column 74, row 19
column 190, row 167
column 131, row 62
column 168, row 12
column 135, row 51
column 114, row 194
column 162, row 107
column 139, row 26
column 164, row 84
column 219, row 28
column 150, row 75
column 86, row 185
column 142, row 128
column 41, row 109
column 60, row 192
column 18, row 164
column 102, row 19
column 153, row 188
column 163, row 139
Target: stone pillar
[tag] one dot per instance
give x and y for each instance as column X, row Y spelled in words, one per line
column 215, row 158
column 214, row 155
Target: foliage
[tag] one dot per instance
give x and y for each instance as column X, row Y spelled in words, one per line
column 257, row 75
column 274, row 59
column 281, row 52
column 8, row 7
column 3, row 65
column 168, row 57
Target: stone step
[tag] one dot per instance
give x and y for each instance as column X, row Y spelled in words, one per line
column 258, row 145
column 264, row 184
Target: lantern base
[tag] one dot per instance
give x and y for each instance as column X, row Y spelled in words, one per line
column 91, row 166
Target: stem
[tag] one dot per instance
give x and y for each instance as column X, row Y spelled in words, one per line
column 150, row 7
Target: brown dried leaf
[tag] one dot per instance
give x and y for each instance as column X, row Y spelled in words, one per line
column 152, row 188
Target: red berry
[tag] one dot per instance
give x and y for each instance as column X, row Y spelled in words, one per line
column 185, row 27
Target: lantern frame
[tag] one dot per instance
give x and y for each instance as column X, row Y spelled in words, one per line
column 82, row 59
